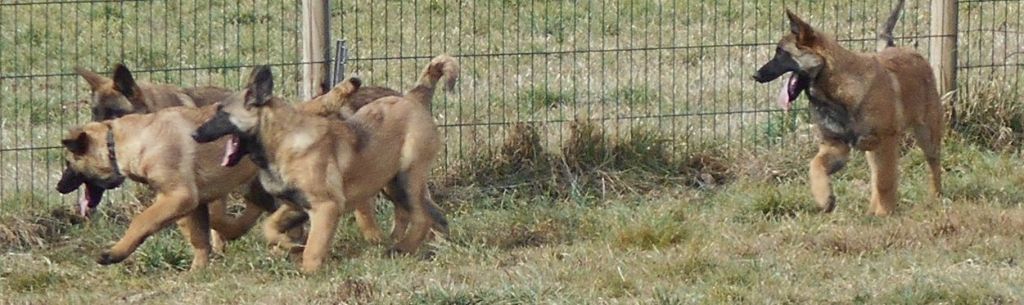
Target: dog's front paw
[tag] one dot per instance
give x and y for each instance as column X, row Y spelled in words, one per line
column 107, row 258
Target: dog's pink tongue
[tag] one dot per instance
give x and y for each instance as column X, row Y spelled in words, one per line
column 784, row 101
column 230, row 149
column 83, row 202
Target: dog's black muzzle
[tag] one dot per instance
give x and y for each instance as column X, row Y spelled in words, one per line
column 780, row 64
column 70, row 180
column 215, row 128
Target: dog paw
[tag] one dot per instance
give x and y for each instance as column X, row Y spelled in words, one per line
column 107, row 258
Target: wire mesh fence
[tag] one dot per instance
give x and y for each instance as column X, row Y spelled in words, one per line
column 679, row 68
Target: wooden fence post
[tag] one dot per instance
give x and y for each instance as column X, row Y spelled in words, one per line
column 315, row 35
column 943, row 48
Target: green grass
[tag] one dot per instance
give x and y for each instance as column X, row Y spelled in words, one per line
column 753, row 240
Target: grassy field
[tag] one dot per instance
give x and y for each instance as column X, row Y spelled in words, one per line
column 756, row 239
column 687, row 187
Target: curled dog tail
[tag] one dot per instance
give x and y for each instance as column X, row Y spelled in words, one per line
column 885, row 39
column 442, row 66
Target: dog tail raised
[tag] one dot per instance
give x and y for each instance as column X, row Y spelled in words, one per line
column 885, row 38
column 442, row 66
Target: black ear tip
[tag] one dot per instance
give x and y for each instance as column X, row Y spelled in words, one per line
column 121, row 69
column 263, row 70
column 356, row 82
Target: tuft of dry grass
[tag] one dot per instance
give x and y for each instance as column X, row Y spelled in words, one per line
column 37, row 229
column 993, row 116
column 590, row 163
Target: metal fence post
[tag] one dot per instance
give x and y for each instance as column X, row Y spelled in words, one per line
column 340, row 59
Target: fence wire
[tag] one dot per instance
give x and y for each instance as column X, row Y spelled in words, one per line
column 680, row 68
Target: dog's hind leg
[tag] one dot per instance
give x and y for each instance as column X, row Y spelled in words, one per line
column 366, row 219
column 398, row 196
column 413, row 182
column 168, row 206
column 832, row 156
column 884, row 163
column 929, row 139
column 435, row 212
column 196, row 228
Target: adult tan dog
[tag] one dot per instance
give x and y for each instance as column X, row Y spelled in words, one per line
column 155, row 149
column 329, row 167
column 864, row 101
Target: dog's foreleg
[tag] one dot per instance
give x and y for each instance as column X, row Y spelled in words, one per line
column 196, row 228
column 884, row 163
column 832, row 156
column 323, row 221
column 168, row 206
column 279, row 226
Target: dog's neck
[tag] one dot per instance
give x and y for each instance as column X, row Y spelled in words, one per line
column 279, row 122
column 842, row 67
column 112, row 155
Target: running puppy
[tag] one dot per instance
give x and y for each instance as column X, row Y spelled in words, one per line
column 121, row 95
column 156, row 150
column 861, row 100
column 329, row 167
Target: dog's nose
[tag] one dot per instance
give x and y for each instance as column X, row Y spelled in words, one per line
column 195, row 136
column 758, row 77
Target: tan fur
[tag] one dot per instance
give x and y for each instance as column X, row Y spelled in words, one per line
column 109, row 101
column 109, row 98
column 886, row 93
column 390, row 142
column 441, row 67
column 339, row 104
column 185, row 176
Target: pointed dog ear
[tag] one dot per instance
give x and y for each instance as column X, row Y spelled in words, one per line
column 260, row 87
column 124, row 82
column 803, row 31
column 94, row 80
column 77, row 141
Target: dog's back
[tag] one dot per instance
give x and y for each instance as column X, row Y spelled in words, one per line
column 915, row 83
column 163, row 143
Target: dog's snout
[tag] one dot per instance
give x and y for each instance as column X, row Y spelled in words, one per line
column 758, row 77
